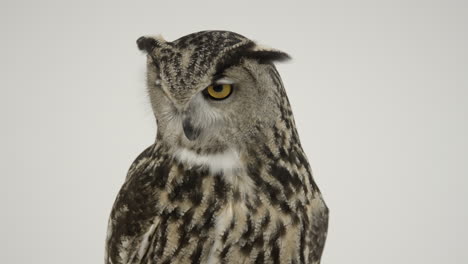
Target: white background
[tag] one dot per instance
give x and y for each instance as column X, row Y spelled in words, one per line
column 378, row 88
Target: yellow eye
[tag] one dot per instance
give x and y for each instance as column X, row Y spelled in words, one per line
column 219, row 91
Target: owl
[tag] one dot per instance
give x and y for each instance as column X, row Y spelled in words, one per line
column 226, row 180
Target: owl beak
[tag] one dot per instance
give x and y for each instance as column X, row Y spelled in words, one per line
column 190, row 131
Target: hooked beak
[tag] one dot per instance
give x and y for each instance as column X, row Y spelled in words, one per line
column 190, row 131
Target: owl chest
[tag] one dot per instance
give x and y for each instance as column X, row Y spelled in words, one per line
column 242, row 234
column 218, row 217
column 211, row 217
column 233, row 220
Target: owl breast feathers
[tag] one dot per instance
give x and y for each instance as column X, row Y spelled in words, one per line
column 226, row 180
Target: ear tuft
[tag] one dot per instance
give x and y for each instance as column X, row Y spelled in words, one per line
column 266, row 55
column 147, row 44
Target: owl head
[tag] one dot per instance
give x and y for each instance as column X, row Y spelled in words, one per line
column 214, row 90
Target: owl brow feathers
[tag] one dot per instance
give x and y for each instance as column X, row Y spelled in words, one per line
column 250, row 50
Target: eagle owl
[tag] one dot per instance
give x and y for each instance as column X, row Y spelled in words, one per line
column 226, row 180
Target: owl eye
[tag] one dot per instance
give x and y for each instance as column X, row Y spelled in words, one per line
column 218, row 91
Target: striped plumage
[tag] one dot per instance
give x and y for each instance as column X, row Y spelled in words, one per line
column 241, row 190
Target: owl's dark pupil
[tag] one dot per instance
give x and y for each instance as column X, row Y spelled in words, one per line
column 218, row 88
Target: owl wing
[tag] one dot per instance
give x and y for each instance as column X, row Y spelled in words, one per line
column 134, row 217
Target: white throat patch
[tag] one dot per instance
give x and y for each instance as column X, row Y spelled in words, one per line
column 226, row 162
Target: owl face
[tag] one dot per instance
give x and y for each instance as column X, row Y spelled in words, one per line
column 212, row 91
